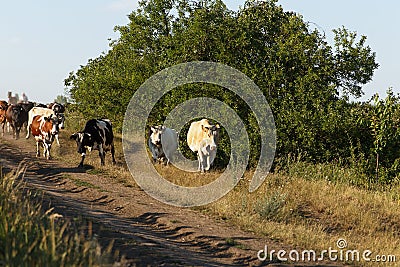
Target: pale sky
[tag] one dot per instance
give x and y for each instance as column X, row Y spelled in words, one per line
column 42, row 41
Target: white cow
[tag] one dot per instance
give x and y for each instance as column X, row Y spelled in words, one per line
column 163, row 142
column 202, row 138
column 46, row 112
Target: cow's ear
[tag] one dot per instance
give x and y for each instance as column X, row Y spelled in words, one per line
column 152, row 129
column 217, row 126
column 73, row 136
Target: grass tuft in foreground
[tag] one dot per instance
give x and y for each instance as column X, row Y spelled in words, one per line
column 31, row 236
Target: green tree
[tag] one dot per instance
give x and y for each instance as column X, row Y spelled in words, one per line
column 384, row 128
column 62, row 99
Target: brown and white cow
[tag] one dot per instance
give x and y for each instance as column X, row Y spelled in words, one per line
column 35, row 111
column 3, row 110
column 44, row 129
column 202, row 138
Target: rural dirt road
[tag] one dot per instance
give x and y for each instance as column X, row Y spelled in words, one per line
column 146, row 232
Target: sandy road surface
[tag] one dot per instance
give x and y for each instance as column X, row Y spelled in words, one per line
column 147, row 232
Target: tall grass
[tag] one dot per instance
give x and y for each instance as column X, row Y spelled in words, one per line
column 31, row 236
column 312, row 212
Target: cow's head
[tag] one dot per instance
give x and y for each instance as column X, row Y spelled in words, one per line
column 3, row 105
column 83, row 141
column 49, row 128
column 17, row 114
column 54, row 124
column 155, row 134
column 58, row 108
column 211, row 132
column 60, row 120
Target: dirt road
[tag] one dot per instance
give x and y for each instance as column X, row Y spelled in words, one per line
column 146, row 232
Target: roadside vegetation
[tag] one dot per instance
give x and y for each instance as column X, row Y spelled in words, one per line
column 30, row 235
column 301, row 206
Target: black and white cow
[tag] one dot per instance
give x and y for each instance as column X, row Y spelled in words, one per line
column 97, row 135
column 163, row 142
column 57, row 108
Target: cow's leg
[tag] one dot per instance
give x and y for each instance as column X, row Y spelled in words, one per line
column 169, row 157
column 208, row 163
column 27, row 131
column 17, row 130
column 12, row 128
column 154, row 153
column 198, row 159
column 37, row 150
column 201, row 163
column 44, row 149
column 113, row 153
column 14, row 131
column 82, row 159
column 101, row 154
column 58, row 142
column 48, row 151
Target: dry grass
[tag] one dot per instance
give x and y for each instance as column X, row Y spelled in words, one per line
column 315, row 214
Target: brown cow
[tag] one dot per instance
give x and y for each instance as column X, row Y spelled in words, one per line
column 44, row 129
column 16, row 116
column 3, row 110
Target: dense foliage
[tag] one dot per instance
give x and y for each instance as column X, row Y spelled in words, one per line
column 305, row 80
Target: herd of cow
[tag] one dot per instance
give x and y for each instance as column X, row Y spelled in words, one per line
column 45, row 121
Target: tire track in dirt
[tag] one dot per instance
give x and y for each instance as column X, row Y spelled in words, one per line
column 145, row 231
